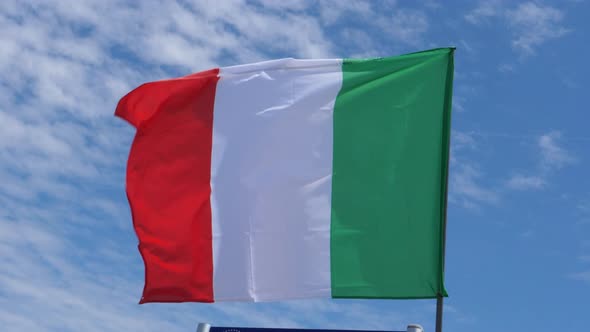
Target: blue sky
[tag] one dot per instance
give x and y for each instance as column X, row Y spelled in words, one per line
column 518, row 251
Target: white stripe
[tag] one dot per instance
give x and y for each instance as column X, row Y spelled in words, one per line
column 272, row 179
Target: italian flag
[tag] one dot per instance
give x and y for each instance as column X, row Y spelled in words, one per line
column 293, row 179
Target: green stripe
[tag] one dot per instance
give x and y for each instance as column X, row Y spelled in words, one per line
column 389, row 184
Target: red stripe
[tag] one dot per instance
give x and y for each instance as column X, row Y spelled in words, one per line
column 168, row 185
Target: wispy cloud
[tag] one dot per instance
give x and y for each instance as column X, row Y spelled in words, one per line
column 460, row 315
column 462, row 141
column 467, row 190
column 505, row 68
column 553, row 155
column 459, row 104
column 531, row 24
column 484, row 12
column 524, row 182
column 466, row 187
column 408, row 26
column 468, row 184
column 333, row 11
column 402, row 25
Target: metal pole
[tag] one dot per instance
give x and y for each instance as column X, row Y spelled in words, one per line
column 439, row 313
column 439, row 297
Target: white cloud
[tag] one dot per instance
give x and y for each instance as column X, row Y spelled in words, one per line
column 465, row 179
column 533, row 25
column 526, row 182
column 459, row 315
column 407, row 26
column 295, row 5
column 553, row 155
column 333, row 10
column 462, row 141
column 459, row 103
column 483, row 12
column 506, row 68
column 530, row 23
column 466, row 188
column 362, row 41
column 358, row 18
column 464, row 45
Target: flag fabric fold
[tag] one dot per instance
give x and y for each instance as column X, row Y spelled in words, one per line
column 293, row 179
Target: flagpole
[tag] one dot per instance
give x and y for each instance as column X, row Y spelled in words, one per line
column 439, row 296
column 439, row 313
